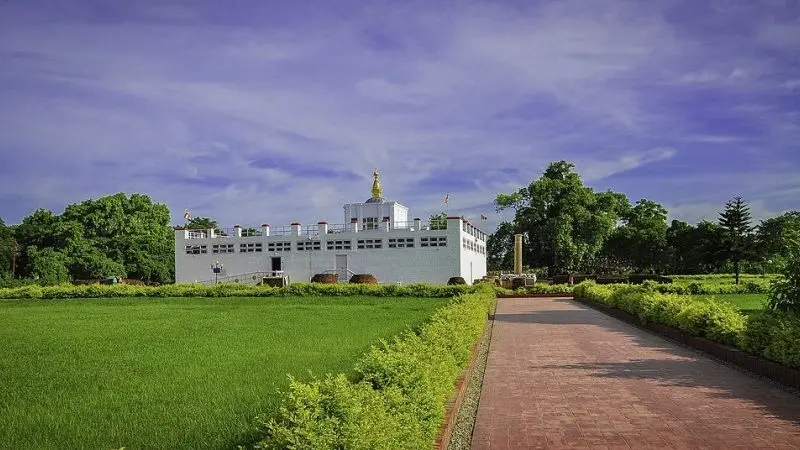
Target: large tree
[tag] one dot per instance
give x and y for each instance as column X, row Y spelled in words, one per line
column 565, row 222
column 500, row 248
column 736, row 221
column 438, row 221
column 203, row 223
column 695, row 249
column 640, row 242
column 48, row 266
column 774, row 236
column 7, row 250
column 108, row 236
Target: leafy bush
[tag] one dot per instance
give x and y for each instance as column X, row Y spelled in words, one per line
column 49, row 266
column 541, row 288
column 398, row 396
column 784, row 292
column 774, row 335
column 233, row 290
column 713, row 319
column 716, row 288
column 718, row 321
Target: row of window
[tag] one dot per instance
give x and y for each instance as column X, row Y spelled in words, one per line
column 361, row 244
column 469, row 244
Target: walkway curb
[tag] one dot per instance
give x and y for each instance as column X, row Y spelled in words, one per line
column 454, row 404
column 571, row 296
column 784, row 375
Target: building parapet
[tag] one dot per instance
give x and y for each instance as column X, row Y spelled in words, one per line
column 323, row 228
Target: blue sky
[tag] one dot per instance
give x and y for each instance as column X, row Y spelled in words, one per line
column 277, row 111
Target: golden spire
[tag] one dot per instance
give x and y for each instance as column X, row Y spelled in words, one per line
column 377, row 192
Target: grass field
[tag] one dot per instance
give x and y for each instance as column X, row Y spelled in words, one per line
column 744, row 302
column 173, row 373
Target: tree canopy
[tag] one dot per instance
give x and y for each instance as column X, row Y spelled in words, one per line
column 568, row 226
column 738, row 238
column 565, row 223
column 116, row 235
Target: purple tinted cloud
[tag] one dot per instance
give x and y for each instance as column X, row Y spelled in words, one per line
column 279, row 111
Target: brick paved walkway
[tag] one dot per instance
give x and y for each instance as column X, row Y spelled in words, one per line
column 560, row 374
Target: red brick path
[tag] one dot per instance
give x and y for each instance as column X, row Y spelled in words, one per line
column 561, row 374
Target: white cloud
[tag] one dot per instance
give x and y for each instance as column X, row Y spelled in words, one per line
column 598, row 170
column 572, row 77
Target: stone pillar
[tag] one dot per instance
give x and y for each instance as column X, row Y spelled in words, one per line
column 211, row 233
column 417, row 224
column 295, row 229
column 237, row 230
column 518, row 254
column 354, row 225
column 386, row 224
column 265, row 229
column 322, row 228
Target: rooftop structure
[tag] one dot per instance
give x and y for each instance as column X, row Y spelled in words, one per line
column 375, row 237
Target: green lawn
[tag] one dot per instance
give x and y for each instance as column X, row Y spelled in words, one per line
column 173, row 373
column 744, row 302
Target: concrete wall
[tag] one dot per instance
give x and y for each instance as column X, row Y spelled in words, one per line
column 389, row 265
column 397, row 213
column 472, row 252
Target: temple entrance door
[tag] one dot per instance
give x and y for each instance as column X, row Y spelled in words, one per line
column 341, row 267
column 276, row 266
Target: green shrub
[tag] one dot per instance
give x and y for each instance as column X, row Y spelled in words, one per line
column 555, row 289
column 772, row 334
column 784, row 292
column 754, row 286
column 758, row 332
column 335, row 413
column 718, row 321
column 398, row 396
column 232, row 290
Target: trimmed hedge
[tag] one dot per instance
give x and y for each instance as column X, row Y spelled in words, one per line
column 541, row 288
column 456, row 280
column 696, row 288
column 232, row 290
column 398, row 396
column 773, row 335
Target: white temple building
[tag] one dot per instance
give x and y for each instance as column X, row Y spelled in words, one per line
column 376, row 238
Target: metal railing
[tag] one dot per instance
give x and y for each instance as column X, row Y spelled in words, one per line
column 283, row 230
column 348, row 272
column 338, row 228
column 247, row 277
column 314, row 230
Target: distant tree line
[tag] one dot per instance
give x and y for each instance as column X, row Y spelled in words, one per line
column 568, row 227
column 117, row 235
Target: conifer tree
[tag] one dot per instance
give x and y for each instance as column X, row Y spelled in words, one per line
column 736, row 220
